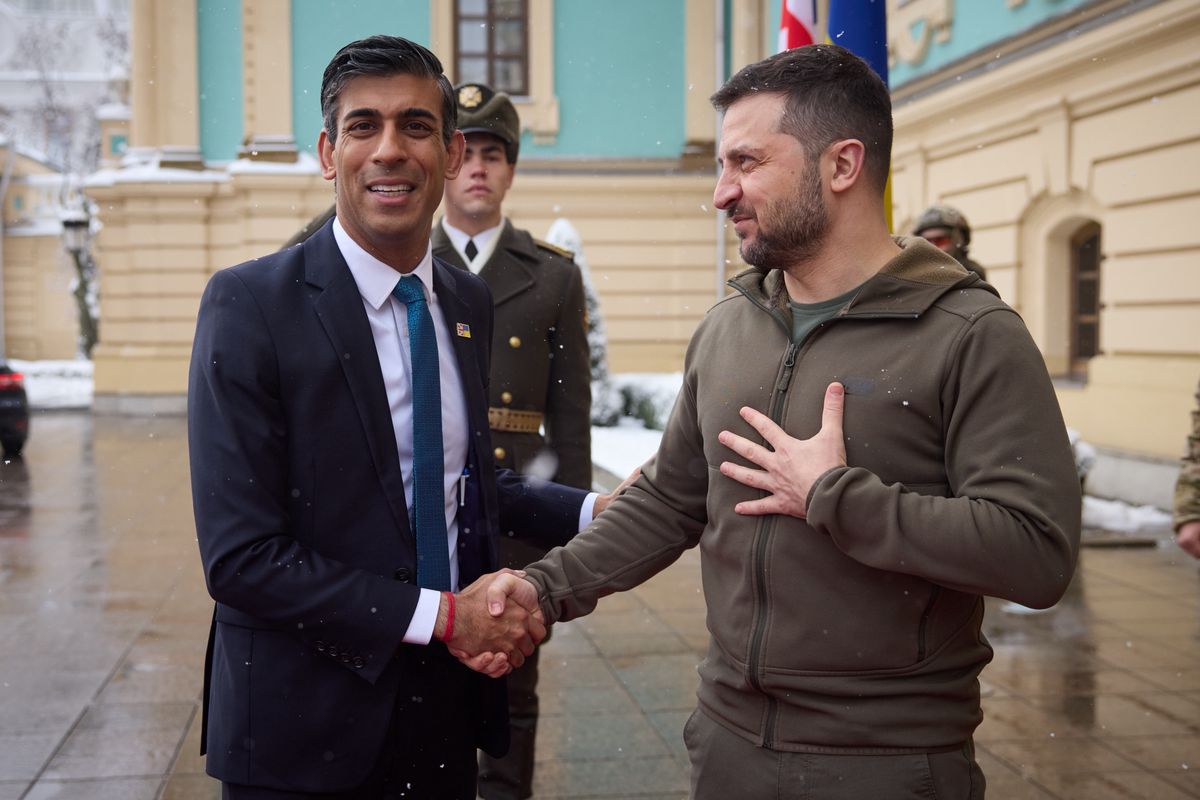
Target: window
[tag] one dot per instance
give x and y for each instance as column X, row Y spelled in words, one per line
column 537, row 104
column 1085, row 297
column 491, row 44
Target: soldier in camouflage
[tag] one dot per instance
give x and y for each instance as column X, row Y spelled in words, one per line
column 947, row 228
column 1187, row 490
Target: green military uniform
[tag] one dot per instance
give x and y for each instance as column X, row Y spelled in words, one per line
column 540, row 369
column 1187, row 488
column 541, row 377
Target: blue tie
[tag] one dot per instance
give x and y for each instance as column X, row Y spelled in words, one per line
column 429, row 507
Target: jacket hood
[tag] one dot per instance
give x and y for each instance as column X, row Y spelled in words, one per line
column 907, row 285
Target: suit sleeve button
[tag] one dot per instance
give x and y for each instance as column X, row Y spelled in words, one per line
column 321, row 647
column 332, row 651
column 506, row 397
column 345, row 658
column 499, row 453
column 404, row 575
column 359, row 663
column 514, row 342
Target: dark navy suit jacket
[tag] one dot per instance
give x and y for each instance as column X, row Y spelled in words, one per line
column 301, row 517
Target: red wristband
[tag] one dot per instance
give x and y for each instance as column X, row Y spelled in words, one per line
column 449, row 617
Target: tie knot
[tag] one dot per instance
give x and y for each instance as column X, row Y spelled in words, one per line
column 408, row 290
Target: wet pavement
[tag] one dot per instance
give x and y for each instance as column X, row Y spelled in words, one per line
column 103, row 622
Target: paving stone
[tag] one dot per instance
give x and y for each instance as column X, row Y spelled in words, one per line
column 22, row 755
column 192, row 787
column 1005, row 782
column 98, row 752
column 1109, row 785
column 597, row 737
column 631, row 777
column 113, row 789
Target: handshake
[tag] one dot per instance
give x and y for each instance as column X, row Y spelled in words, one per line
column 493, row 624
column 496, row 621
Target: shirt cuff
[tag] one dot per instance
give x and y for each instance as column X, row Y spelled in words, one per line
column 586, row 510
column 420, row 627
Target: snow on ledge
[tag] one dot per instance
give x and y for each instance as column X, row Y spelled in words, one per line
column 305, row 164
column 153, row 173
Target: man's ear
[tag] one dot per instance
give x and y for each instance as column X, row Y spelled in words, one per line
column 325, row 152
column 455, row 153
column 848, row 157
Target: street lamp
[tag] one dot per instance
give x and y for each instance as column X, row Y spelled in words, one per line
column 76, row 224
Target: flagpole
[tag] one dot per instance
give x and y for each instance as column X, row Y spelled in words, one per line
column 719, row 8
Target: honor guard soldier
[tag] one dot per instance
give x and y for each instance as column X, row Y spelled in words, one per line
column 540, row 403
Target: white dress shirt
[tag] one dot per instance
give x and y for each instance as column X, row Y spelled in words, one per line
column 389, row 327
column 485, row 243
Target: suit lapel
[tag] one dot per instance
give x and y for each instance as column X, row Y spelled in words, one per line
column 456, row 309
column 476, row 555
column 339, row 308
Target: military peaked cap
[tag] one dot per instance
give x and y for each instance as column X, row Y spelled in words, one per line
column 483, row 110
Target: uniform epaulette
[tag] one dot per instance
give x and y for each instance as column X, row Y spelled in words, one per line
column 553, row 248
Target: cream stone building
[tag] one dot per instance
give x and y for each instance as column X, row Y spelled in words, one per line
column 56, row 76
column 1073, row 147
column 1068, row 131
column 37, row 314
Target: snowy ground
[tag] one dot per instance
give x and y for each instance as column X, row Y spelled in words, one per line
column 622, row 448
column 68, row 384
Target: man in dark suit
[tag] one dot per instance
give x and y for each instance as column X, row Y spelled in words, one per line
column 541, row 374
column 334, row 527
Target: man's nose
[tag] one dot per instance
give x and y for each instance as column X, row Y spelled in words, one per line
column 475, row 167
column 391, row 147
column 726, row 194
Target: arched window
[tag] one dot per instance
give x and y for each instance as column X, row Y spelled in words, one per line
column 1085, row 297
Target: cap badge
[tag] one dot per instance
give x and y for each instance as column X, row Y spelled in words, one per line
column 469, row 96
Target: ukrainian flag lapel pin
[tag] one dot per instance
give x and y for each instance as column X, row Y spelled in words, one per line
column 462, row 329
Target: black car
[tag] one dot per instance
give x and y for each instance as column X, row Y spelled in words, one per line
column 14, row 411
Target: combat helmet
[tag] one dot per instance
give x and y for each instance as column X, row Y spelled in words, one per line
column 940, row 216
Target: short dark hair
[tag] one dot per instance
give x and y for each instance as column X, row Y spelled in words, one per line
column 384, row 55
column 831, row 94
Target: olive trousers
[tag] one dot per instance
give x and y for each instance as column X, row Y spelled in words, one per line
column 725, row 765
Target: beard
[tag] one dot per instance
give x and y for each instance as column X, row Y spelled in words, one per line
column 798, row 227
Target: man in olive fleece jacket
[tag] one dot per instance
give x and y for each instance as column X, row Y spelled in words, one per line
column 866, row 442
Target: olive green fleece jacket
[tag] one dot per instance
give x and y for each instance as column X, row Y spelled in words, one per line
column 858, row 629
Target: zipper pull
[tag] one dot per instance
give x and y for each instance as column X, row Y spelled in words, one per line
column 789, row 362
column 462, row 487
